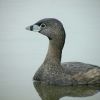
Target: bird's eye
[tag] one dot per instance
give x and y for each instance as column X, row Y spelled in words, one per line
column 43, row 25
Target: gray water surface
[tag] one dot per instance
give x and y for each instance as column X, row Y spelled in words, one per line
column 16, row 83
column 22, row 51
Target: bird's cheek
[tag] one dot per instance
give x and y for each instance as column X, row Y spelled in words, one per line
column 46, row 33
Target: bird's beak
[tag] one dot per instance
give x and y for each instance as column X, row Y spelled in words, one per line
column 34, row 28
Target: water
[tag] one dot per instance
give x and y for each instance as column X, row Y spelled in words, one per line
column 17, row 70
column 22, row 52
column 48, row 92
column 18, row 87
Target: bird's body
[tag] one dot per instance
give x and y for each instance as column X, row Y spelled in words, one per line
column 69, row 73
column 52, row 71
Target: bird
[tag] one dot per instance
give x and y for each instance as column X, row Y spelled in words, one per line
column 52, row 71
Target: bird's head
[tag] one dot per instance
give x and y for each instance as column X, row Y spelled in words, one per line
column 50, row 27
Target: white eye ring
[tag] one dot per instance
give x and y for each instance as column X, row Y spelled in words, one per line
column 43, row 25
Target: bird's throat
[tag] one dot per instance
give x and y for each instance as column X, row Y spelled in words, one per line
column 54, row 54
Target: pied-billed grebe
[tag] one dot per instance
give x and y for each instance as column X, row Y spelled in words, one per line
column 52, row 71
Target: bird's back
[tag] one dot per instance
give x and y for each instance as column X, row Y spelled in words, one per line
column 82, row 73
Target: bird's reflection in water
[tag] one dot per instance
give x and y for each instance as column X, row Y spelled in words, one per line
column 49, row 92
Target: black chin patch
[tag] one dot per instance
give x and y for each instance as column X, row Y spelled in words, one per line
column 31, row 28
column 50, row 38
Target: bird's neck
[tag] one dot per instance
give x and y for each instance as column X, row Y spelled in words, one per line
column 54, row 53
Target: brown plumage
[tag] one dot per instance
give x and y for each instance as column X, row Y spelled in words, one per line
column 52, row 71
